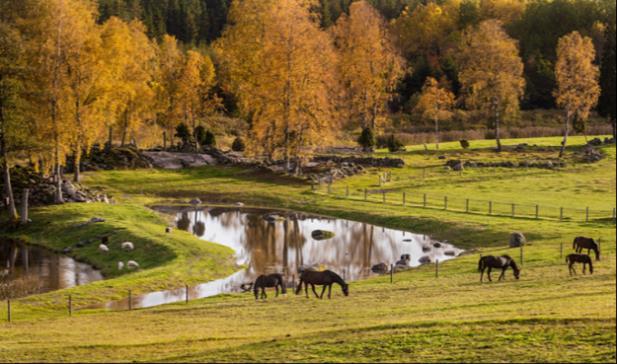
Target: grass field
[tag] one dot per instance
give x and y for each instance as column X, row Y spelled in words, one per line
column 545, row 316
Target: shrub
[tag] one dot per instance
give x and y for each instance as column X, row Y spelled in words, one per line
column 367, row 139
column 182, row 132
column 200, row 134
column 395, row 145
column 209, row 139
column 464, row 143
column 238, row 145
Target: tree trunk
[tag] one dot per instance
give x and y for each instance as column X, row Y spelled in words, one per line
column 497, row 130
column 125, row 125
column 566, row 130
column 109, row 138
column 58, row 197
column 76, row 164
column 8, row 188
column 437, row 133
column 24, row 206
column 164, row 140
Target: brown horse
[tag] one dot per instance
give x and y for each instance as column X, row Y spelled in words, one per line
column 581, row 243
column 325, row 279
column 579, row 258
column 271, row 280
column 502, row 262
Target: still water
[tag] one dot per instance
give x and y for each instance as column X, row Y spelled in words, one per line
column 27, row 269
column 267, row 241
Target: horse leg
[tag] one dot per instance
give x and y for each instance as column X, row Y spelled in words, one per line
column 306, row 289
column 315, row 292
column 482, row 275
column 489, row 274
column 256, row 292
column 503, row 274
column 277, row 290
column 263, row 293
column 584, row 267
column 329, row 290
column 323, row 290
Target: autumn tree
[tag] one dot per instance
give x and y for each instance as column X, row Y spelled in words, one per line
column 608, row 77
column 369, row 64
column 577, row 80
column 435, row 104
column 170, row 60
column 279, row 63
column 491, row 73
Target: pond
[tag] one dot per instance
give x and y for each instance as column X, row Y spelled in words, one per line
column 27, row 269
column 268, row 241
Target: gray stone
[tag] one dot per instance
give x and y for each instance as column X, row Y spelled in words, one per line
column 517, row 239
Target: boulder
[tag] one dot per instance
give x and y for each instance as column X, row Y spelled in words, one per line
column 449, row 253
column 517, row 239
column 595, row 142
column 381, row 268
column 464, row 143
column 424, row 260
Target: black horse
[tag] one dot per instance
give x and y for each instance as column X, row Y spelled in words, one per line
column 581, row 243
column 325, row 279
column 579, row 258
column 271, row 280
column 502, row 262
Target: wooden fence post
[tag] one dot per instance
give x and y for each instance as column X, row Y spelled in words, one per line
column 186, row 293
column 70, row 305
column 437, row 268
column 130, row 301
column 537, row 212
column 404, row 198
column 467, row 205
column 490, row 207
column 587, row 214
column 561, row 214
column 513, row 210
column 8, row 309
column 365, row 194
column 391, row 273
column 383, row 192
column 424, row 200
column 445, row 202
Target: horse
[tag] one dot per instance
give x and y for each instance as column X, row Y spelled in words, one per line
column 581, row 243
column 271, row 280
column 502, row 262
column 325, row 279
column 579, row 258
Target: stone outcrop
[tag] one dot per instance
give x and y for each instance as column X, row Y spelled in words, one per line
column 169, row 160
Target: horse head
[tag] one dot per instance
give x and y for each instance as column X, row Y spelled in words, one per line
column 345, row 287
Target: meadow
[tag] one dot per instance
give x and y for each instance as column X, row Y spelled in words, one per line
column 545, row 316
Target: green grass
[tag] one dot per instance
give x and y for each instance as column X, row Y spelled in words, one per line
column 545, row 316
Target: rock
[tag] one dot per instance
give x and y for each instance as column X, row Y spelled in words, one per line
column 426, row 248
column 239, row 204
column 404, row 261
column 595, row 142
column 464, row 143
column 168, row 229
column 450, row 253
column 591, row 155
column 437, row 245
column 517, row 239
column 120, row 265
column 441, row 157
column 103, row 248
column 67, row 250
column 610, row 140
column 94, row 220
column 127, row 245
column 131, row 264
column 381, row 268
column 170, row 160
column 195, row 201
column 322, row 234
column 424, row 260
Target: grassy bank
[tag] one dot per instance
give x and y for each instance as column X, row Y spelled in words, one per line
column 545, row 316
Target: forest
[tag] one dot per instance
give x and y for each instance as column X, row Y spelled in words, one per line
column 288, row 76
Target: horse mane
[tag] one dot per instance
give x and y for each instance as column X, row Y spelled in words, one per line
column 336, row 278
column 512, row 263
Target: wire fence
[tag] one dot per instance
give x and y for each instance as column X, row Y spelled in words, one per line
column 470, row 206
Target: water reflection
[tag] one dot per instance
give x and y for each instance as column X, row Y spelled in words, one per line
column 27, row 269
column 267, row 241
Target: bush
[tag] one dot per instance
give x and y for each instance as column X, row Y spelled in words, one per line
column 464, row 143
column 200, row 134
column 367, row 139
column 395, row 145
column 209, row 139
column 182, row 132
column 382, row 141
column 238, row 145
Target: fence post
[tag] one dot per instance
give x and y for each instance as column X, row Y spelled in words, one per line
column 391, row 273
column 346, row 191
column 521, row 253
column 404, row 198
column 383, row 192
column 561, row 250
column 8, row 309
column 445, row 202
column 130, row 301
column 186, row 293
column 561, row 214
column 513, row 210
column 537, row 212
column 467, row 205
column 424, row 200
column 490, row 207
column 329, row 187
column 437, row 268
column 70, row 305
column 587, row 214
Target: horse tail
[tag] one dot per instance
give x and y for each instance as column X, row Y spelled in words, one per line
column 590, row 266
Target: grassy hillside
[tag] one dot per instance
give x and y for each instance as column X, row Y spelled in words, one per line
column 545, row 316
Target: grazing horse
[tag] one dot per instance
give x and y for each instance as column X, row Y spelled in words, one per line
column 581, row 243
column 271, row 280
column 579, row 258
column 502, row 262
column 325, row 279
